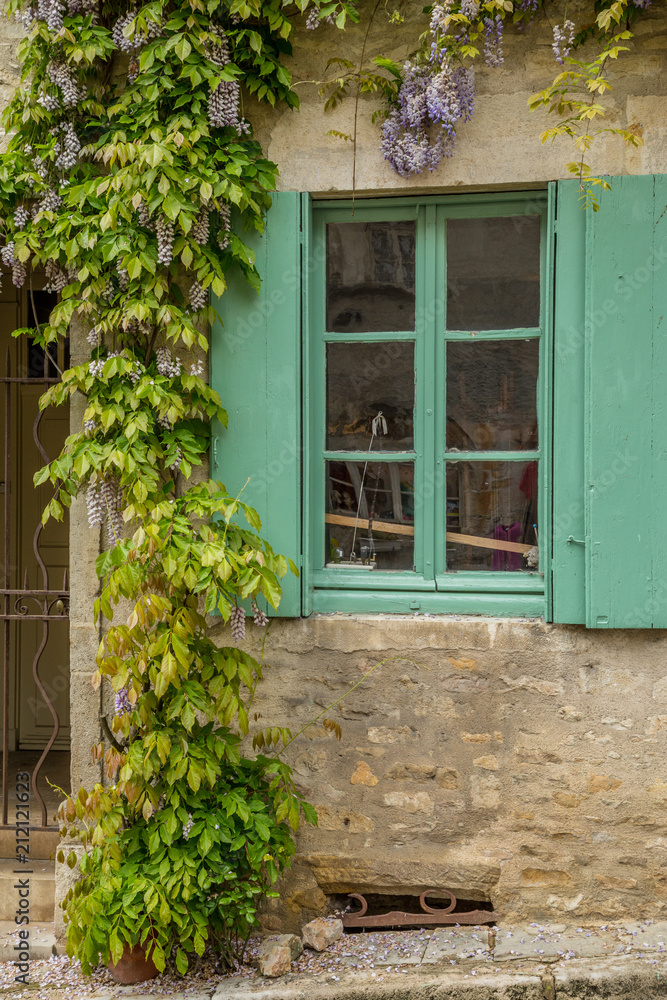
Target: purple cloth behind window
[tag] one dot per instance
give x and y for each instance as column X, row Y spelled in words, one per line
column 507, row 560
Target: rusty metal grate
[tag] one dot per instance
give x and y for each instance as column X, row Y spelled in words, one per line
column 428, row 916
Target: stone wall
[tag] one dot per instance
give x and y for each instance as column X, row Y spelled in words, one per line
column 500, row 147
column 511, row 761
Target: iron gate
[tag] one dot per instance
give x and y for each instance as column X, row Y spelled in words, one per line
column 45, row 603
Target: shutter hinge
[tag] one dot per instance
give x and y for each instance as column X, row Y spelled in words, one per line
column 214, row 452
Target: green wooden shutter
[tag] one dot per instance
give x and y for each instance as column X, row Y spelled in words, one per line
column 256, row 368
column 624, row 430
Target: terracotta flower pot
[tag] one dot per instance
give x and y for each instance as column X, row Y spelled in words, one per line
column 133, row 967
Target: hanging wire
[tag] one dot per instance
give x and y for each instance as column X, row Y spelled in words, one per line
column 378, row 429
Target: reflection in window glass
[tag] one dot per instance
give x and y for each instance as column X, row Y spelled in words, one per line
column 493, row 273
column 492, row 395
column 493, row 504
column 370, row 276
column 365, row 381
column 370, row 515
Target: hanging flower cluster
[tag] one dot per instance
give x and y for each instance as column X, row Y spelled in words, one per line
column 563, row 40
column 493, row 39
column 421, row 129
column 104, row 502
column 434, row 96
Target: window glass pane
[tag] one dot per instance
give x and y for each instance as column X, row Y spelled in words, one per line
column 492, row 395
column 370, row 276
column 494, row 504
column 364, row 382
column 493, row 273
column 379, row 498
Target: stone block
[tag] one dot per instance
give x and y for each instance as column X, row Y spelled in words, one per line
column 322, row 932
column 419, row 802
column 544, row 877
column 382, row 734
column 603, row 783
column 276, row 954
column 489, row 762
column 385, row 948
column 544, row 943
column 616, row 882
column 343, row 819
column 535, row 685
column 363, row 775
column 567, row 799
column 457, row 944
column 645, row 936
column 485, row 791
column 448, row 777
column 85, row 730
column 412, row 772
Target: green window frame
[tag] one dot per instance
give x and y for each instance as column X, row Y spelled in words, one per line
column 429, row 587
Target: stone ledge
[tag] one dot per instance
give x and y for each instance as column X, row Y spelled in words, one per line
column 410, row 985
column 473, row 874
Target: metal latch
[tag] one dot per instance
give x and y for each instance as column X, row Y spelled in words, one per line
column 575, row 541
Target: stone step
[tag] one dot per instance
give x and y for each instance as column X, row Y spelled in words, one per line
column 42, row 889
column 43, row 843
column 41, row 941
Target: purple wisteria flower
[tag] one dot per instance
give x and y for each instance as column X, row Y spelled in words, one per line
column 493, row 37
column 563, row 40
column 122, row 702
column 420, row 131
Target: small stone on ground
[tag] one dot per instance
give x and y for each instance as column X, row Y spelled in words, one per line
column 276, row 954
column 319, row 934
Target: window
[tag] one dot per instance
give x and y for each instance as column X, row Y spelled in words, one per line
column 516, row 392
column 425, row 327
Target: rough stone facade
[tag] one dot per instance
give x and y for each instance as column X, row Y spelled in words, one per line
column 506, row 760
column 510, row 761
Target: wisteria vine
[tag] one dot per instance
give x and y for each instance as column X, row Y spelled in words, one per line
column 130, row 176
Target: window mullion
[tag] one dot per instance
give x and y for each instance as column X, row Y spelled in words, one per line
column 428, row 295
column 438, row 298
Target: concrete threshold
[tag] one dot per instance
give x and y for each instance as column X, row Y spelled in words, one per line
column 585, row 979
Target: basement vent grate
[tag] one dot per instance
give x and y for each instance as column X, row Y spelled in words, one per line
column 442, row 908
